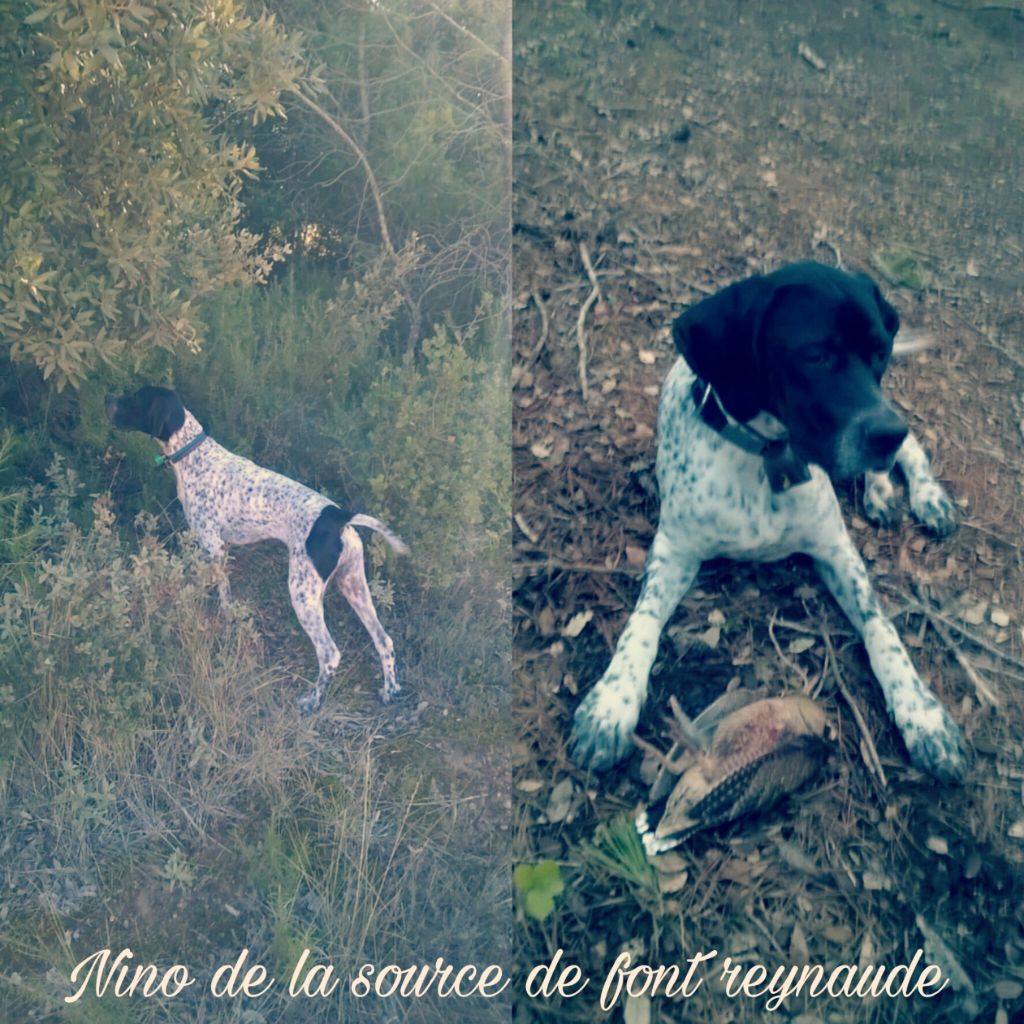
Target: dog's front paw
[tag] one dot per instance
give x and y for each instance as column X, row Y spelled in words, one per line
column 388, row 692
column 602, row 731
column 934, row 509
column 934, row 741
column 881, row 502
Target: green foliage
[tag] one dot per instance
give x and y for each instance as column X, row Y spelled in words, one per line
column 20, row 531
column 424, row 89
column 87, row 632
column 538, row 885
column 616, row 852
column 903, row 266
column 439, row 432
column 120, row 200
column 280, row 865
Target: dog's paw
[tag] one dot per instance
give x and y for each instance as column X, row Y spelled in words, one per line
column 602, row 732
column 389, row 693
column 934, row 741
column 881, row 501
column 310, row 702
column 933, row 508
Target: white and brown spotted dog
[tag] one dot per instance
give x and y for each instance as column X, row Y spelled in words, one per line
column 230, row 500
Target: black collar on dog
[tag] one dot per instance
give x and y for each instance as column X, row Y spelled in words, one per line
column 782, row 466
column 182, row 451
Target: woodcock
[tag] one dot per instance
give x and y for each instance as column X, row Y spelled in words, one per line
column 735, row 760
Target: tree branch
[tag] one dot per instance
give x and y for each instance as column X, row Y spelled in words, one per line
column 371, row 178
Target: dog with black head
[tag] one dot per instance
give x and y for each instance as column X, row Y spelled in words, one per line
column 777, row 393
column 228, row 500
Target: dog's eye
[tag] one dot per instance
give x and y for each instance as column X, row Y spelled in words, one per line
column 817, row 356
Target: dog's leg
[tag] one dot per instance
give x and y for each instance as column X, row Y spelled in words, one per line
column 307, row 593
column 933, row 739
column 929, row 502
column 606, row 718
column 352, row 582
column 216, row 551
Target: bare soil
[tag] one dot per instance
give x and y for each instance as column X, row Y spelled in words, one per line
column 679, row 147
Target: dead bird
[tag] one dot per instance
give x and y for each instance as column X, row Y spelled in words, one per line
column 733, row 760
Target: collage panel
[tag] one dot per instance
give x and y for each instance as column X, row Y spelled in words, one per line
column 254, row 492
column 768, row 522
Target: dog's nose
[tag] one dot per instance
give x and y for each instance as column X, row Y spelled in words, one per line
column 884, row 432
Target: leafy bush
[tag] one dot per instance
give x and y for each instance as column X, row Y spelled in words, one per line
column 95, row 633
column 120, row 202
column 439, row 457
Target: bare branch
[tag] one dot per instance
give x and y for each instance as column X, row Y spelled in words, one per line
column 371, row 178
column 462, row 28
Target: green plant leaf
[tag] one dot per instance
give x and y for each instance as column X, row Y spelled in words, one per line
column 539, row 884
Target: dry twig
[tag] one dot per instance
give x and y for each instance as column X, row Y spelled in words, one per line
column 581, row 334
column 981, row 688
column 535, row 568
column 932, row 614
column 868, row 749
column 985, row 693
column 527, row 532
column 539, row 303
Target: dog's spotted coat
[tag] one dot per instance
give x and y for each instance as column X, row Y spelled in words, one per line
column 228, row 499
column 717, row 502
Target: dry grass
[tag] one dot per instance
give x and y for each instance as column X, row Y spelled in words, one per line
column 163, row 795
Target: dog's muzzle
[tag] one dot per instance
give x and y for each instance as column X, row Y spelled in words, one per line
column 870, row 441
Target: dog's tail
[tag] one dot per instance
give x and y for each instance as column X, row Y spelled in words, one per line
column 376, row 525
column 910, row 340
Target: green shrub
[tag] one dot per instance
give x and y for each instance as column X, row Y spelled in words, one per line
column 97, row 634
column 439, row 458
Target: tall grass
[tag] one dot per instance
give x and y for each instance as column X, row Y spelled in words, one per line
column 159, row 789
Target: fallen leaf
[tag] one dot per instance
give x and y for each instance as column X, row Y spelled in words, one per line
column 669, row 862
column 668, row 884
column 1008, row 990
column 710, row 636
column 576, row 624
column 801, row 644
column 546, row 621
column 975, row 615
column 636, row 557
column 637, row 1010
column 560, row 801
column 799, row 954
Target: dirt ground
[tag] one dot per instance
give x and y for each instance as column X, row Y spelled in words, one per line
column 678, row 148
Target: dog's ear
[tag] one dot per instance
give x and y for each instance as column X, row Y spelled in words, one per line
column 164, row 415
column 890, row 318
column 717, row 338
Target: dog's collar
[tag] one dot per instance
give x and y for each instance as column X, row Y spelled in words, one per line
column 182, row 451
column 783, row 467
